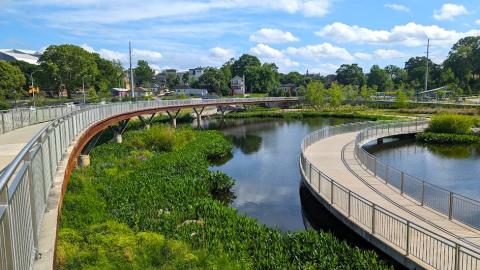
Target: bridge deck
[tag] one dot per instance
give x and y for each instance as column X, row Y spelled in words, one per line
column 13, row 141
column 326, row 155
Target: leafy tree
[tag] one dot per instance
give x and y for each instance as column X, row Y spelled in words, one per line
column 172, row 81
column 27, row 69
column 379, row 78
column 227, row 68
column 262, row 79
column 293, row 77
column 351, row 74
column 366, row 92
column 240, row 66
column 69, row 63
column 143, row 74
column 110, row 74
column 185, row 78
column 214, row 80
column 401, row 100
column 11, row 78
column 464, row 60
column 335, row 95
column 314, row 94
column 416, row 67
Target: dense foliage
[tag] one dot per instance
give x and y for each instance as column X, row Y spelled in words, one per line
column 447, row 138
column 451, row 123
column 11, row 79
column 152, row 203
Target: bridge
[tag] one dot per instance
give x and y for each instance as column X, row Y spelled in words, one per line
column 417, row 223
column 39, row 150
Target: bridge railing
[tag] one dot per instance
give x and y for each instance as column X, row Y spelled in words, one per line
column 25, row 183
column 452, row 205
column 412, row 239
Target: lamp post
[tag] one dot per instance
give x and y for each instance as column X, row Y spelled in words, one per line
column 83, row 87
column 33, row 90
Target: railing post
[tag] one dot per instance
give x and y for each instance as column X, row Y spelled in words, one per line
column 386, row 174
column 373, row 218
column 33, row 210
column 7, row 240
column 401, row 182
column 331, row 191
column 407, row 244
column 457, row 256
column 374, row 167
column 423, row 193
column 450, row 205
column 3, row 122
column 349, row 202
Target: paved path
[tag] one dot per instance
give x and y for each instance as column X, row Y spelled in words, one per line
column 13, row 141
column 326, row 155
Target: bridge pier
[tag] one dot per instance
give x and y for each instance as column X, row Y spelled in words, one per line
column 173, row 117
column 83, row 160
column 118, row 130
column 380, row 141
column 222, row 110
column 146, row 121
column 199, row 115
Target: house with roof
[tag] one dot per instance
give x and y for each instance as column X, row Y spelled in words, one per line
column 237, row 85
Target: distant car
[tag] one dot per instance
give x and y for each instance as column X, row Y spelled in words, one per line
column 32, row 108
column 70, row 105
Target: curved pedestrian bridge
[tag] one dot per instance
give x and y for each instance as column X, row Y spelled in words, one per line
column 38, row 151
column 410, row 220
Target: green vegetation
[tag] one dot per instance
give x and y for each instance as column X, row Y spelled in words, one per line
column 451, row 123
column 152, row 203
column 450, row 129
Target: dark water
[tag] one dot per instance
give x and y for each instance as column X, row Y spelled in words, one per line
column 454, row 167
column 265, row 166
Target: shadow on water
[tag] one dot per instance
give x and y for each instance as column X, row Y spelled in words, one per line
column 315, row 216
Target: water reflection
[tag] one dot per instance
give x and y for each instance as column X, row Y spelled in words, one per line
column 265, row 166
column 454, row 167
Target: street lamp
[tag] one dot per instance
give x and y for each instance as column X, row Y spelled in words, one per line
column 33, row 90
column 83, row 87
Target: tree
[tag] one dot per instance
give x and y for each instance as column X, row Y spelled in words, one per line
column 226, row 69
column 262, row 79
column 401, row 100
column 464, row 60
column 69, row 63
column 26, row 69
column 240, row 66
column 172, row 81
column 335, row 95
column 293, row 78
column 416, row 67
column 351, row 74
column 143, row 74
column 185, row 78
column 314, row 94
column 379, row 78
column 111, row 74
column 11, row 79
column 214, row 80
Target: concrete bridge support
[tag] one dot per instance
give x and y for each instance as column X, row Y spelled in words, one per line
column 173, row 117
column 199, row 115
column 118, row 130
column 146, row 121
column 222, row 109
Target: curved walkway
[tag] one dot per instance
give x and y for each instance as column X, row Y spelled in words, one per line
column 334, row 157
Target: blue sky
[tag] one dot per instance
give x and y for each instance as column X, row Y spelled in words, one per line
column 317, row 35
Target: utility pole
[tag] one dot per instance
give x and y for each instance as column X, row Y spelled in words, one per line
column 131, row 70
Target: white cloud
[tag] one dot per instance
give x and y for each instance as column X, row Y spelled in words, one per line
column 147, row 55
column 449, row 11
column 87, row 48
column 221, row 53
column 272, row 55
column 113, row 55
column 152, row 57
column 270, row 35
column 324, row 69
column 363, row 56
column 477, row 21
column 324, row 51
column 388, row 54
column 410, row 34
column 397, row 7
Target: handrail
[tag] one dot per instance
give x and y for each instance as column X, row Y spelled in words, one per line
column 25, row 183
column 411, row 238
column 454, row 206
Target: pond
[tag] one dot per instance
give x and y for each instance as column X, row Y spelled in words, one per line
column 265, row 166
column 453, row 167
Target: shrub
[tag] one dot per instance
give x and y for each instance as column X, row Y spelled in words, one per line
column 451, row 123
column 447, row 138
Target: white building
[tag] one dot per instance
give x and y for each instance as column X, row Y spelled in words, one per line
column 191, row 91
column 28, row 56
column 237, row 84
column 195, row 72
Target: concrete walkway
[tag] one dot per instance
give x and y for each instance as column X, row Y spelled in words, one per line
column 13, row 141
column 326, row 155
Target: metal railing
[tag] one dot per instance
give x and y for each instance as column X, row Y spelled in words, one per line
column 412, row 239
column 453, row 205
column 25, row 183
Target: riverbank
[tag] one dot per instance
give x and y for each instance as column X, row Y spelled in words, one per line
column 156, row 185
